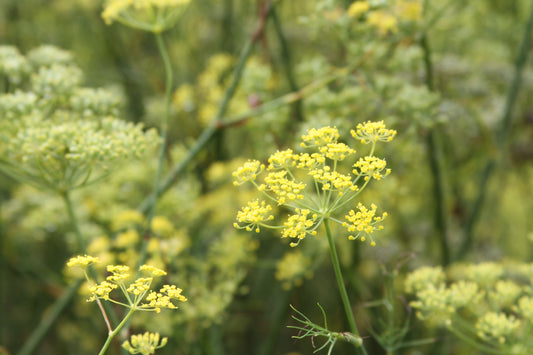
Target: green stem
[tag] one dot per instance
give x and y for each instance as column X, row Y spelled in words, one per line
column 49, row 318
column 340, row 283
column 434, row 156
column 112, row 334
column 208, row 133
column 152, row 201
column 74, row 221
column 501, row 137
column 286, row 58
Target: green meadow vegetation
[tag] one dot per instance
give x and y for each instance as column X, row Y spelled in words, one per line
column 266, row 177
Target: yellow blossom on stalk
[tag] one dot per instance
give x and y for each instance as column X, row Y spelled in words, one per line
column 119, row 272
column 153, row 270
column 311, row 185
column 254, row 215
column 101, row 290
column 371, row 132
column 422, row 277
column 298, row 226
column 371, row 167
column 82, row 261
column 144, row 344
column 320, row 137
column 283, row 187
column 149, row 15
column 283, row 159
column 363, row 222
column 409, row 10
column 140, row 286
column 248, row 172
column 357, row 8
column 497, row 326
column 384, row 22
column 164, row 298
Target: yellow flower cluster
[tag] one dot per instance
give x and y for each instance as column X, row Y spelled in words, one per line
column 363, row 222
column 497, row 326
column 144, row 344
column 135, row 292
column 149, row 15
column 371, row 132
column 254, row 215
column 248, row 172
column 299, row 225
column 386, row 19
column 489, row 304
column 284, row 188
column 371, row 167
column 293, row 268
column 164, row 298
column 311, row 185
column 82, row 261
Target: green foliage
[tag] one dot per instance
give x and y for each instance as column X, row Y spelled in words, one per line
column 79, row 132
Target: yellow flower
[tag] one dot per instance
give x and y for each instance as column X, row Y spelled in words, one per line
column 409, row 10
column 254, row 215
column 144, row 344
column 358, row 8
column 162, row 226
column 383, row 21
column 299, row 225
column 371, row 132
column 248, row 172
column 153, row 270
column 127, row 219
column 363, row 222
column 149, row 15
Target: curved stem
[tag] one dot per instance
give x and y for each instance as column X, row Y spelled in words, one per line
column 112, row 334
column 340, row 283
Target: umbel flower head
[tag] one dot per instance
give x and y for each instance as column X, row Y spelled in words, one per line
column 149, row 15
column 145, row 344
column 137, row 293
column 60, row 136
column 313, row 185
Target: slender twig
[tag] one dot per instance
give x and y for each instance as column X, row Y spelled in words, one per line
column 340, row 283
column 152, row 200
column 434, row 157
column 208, row 133
column 49, row 318
column 500, row 138
column 287, row 64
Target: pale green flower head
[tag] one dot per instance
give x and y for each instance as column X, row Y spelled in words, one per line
column 145, row 344
column 46, row 55
column 316, row 185
column 13, row 65
column 497, row 326
column 61, row 136
column 149, row 15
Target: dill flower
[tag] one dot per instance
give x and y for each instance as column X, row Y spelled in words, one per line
column 384, row 22
column 145, row 344
column 312, row 185
column 13, row 65
column 409, row 10
column 149, row 15
column 292, row 269
column 498, row 326
column 82, row 261
column 358, row 8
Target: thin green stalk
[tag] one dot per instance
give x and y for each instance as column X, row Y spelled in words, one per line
column 500, row 139
column 169, row 78
column 112, row 334
column 434, row 156
column 49, row 318
column 340, row 283
column 74, row 221
column 208, row 133
column 287, row 64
